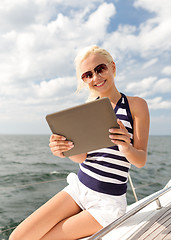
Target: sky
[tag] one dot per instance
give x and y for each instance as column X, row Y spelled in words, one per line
column 39, row 40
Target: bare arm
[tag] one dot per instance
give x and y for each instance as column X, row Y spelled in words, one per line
column 136, row 154
column 79, row 158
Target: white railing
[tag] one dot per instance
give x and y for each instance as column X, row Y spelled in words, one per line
column 117, row 222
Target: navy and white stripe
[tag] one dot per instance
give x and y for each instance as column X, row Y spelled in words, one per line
column 106, row 170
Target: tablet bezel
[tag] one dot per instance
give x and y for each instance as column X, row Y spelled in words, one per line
column 87, row 125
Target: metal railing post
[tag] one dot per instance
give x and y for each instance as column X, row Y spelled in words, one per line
column 117, row 222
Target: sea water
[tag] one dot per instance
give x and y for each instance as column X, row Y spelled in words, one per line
column 30, row 175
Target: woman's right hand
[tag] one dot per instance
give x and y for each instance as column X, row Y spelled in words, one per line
column 59, row 144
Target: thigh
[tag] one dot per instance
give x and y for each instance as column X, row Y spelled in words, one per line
column 58, row 208
column 78, row 226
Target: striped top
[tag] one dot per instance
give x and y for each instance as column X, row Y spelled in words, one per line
column 106, row 170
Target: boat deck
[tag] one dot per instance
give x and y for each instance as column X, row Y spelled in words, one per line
column 149, row 223
column 146, row 219
column 158, row 228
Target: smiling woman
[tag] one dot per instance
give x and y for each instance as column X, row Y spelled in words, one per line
column 100, row 70
column 96, row 196
column 104, row 68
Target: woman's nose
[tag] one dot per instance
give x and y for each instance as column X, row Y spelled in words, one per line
column 96, row 76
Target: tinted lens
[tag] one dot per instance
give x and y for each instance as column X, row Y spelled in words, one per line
column 100, row 68
column 87, row 75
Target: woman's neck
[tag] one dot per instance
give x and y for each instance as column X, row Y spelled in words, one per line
column 114, row 96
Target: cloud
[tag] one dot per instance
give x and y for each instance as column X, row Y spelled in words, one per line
column 42, row 92
column 155, row 32
column 142, row 88
column 167, row 70
column 37, row 55
column 159, row 103
column 39, row 52
column 150, row 63
column 160, row 7
column 17, row 14
column 162, row 86
column 150, row 86
column 54, row 87
column 20, row 14
column 150, row 38
column 36, row 58
column 40, row 38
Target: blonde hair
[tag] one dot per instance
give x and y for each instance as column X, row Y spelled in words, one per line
column 81, row 56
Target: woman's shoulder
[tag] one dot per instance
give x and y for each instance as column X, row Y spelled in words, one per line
column 136, row 100
column 137, row 105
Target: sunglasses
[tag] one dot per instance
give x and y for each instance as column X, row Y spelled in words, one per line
column 101, row 69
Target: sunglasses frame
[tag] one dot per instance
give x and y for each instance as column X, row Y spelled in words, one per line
column 89, row 79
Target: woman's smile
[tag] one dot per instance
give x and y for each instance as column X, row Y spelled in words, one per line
column 100, row 84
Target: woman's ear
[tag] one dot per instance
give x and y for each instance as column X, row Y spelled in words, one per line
column 114, row 68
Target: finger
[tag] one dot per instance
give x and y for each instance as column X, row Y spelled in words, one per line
column 64, row 143
column 120, row 143
column 119, row 137
column 62, row 148
column 55, row 137
column 118, row 131
column 120, row 124
column 57, row 154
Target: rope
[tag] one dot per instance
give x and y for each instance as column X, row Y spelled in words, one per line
column 6, row 230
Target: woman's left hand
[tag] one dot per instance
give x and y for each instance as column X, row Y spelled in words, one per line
column 120, row 137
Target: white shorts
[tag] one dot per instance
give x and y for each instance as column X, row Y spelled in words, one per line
column 104, row 208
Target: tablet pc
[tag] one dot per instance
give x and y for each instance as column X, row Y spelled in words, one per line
column 86, row 125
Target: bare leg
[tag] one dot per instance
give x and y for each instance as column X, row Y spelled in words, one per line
column 76, row 227
column 60, row 207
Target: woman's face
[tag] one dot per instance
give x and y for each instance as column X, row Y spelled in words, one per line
column 102, row 83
